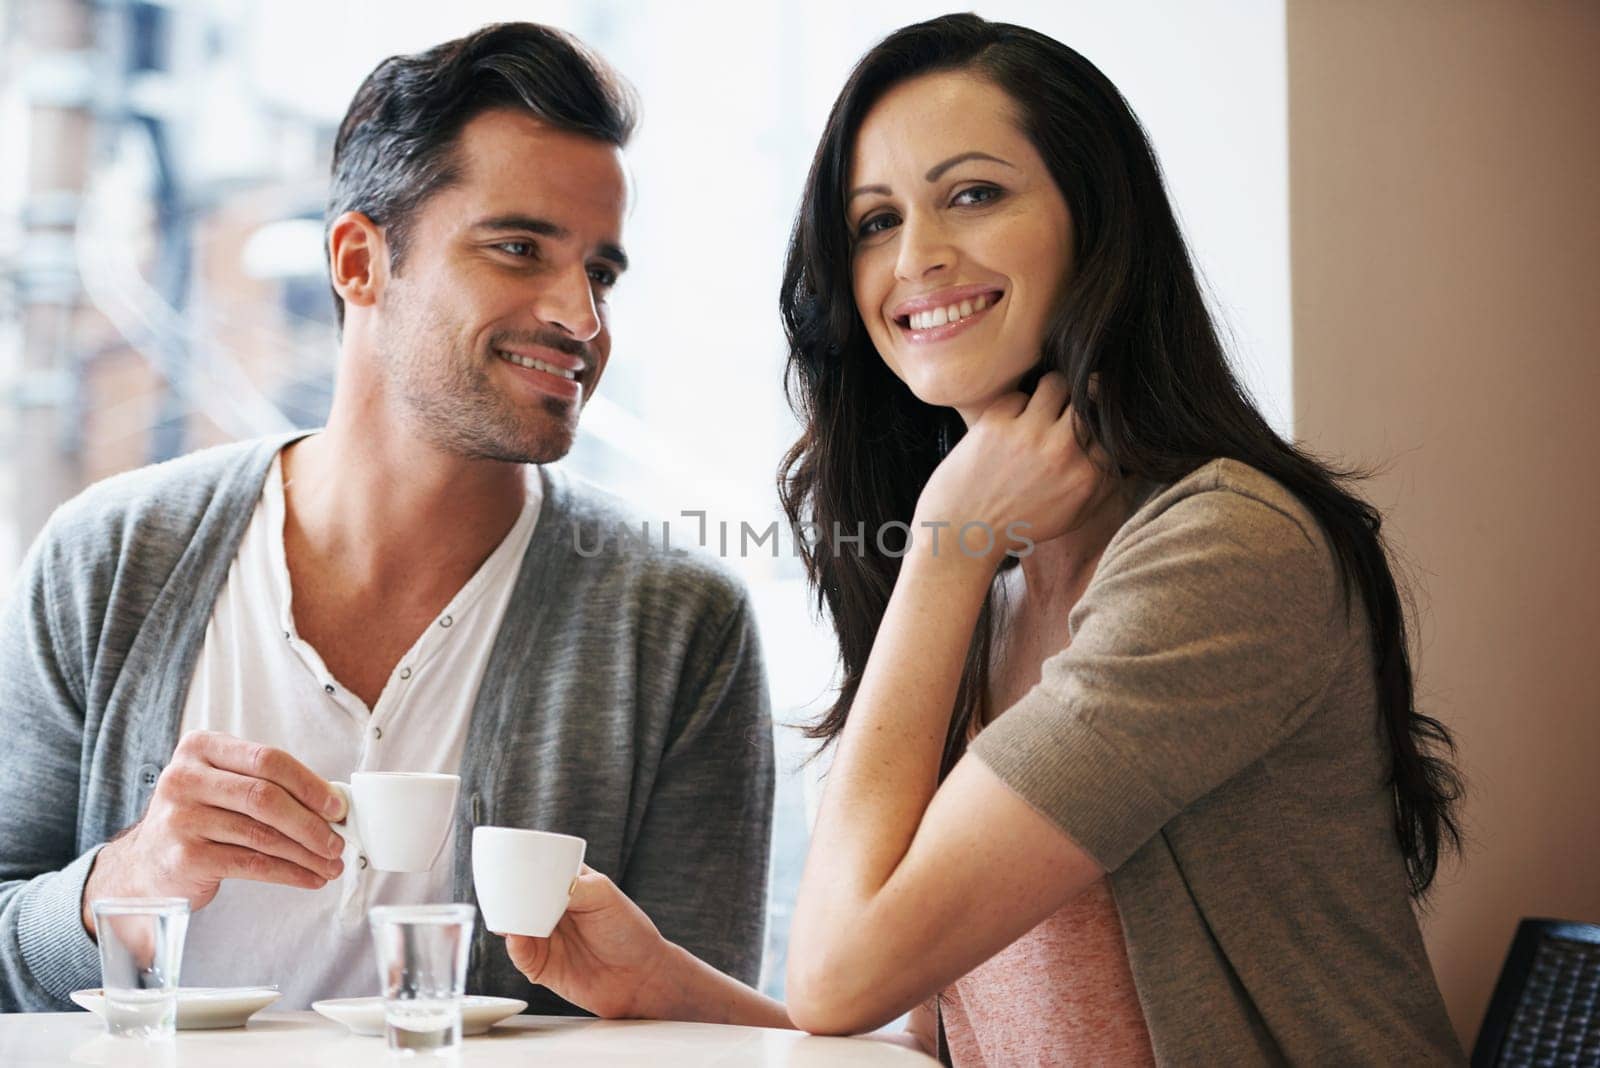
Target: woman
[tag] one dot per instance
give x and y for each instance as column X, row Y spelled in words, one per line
column 1150, row 786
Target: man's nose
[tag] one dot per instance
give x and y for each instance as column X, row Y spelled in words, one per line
column 567, row 303
column 924, row 247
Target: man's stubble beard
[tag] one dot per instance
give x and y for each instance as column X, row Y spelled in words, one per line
column 452, row 403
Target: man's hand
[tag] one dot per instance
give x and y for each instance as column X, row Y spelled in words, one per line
column 224, row 808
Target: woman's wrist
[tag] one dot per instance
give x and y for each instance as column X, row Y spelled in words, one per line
column 951, row 554
column 684, row 987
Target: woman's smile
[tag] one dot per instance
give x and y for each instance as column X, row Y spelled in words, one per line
column 946, row 313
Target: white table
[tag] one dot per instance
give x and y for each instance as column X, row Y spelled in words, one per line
column 306, row 1040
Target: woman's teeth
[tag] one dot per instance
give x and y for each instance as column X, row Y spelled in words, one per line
column 536, row 365
column 940, row 316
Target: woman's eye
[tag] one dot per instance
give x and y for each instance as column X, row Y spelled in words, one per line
column 877, row 224
column 977, row 194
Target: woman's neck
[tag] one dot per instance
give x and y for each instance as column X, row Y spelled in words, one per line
column 1057, row 571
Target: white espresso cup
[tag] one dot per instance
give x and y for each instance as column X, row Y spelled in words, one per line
column 398, row 820
column 524, row 879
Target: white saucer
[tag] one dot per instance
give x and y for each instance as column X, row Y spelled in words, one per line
column 364, row 1016
column 201, row 1008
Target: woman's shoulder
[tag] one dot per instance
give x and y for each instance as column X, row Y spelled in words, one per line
column 1228, row 528
column 1228, row 499
column 1224, row 555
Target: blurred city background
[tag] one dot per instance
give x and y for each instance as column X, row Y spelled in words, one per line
column 162, row 282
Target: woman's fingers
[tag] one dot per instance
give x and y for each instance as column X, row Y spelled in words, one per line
column 1050, row 397
column 591, row 891
column 1027, row 459
column 1007, row 406
column 529, row 955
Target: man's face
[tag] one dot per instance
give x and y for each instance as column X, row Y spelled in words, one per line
column 493, row 332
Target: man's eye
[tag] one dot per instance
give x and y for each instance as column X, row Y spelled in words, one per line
column 520, row 249
column 603, row 276
column 876, row 224
column 977, row 194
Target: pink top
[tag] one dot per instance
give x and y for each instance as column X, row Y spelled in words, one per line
column 1062, row 994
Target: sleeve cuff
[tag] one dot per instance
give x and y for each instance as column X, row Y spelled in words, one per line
column 55, row 948
column 1064, row 768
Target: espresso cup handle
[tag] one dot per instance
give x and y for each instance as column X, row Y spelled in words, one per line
column 346, row 828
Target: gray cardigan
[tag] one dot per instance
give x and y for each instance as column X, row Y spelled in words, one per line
column 624, row 701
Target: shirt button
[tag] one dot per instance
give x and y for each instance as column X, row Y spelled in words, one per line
column 405, row 673
column 286, row 634
column 377, row 732
column 361, row 861
column 446, row 621
column 328, row 687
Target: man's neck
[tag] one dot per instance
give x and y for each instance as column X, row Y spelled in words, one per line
column 388, row 511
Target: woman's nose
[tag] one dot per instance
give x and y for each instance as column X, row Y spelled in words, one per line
column 924, row 248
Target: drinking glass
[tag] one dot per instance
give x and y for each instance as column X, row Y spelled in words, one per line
column 141, row 947
column 422, row 966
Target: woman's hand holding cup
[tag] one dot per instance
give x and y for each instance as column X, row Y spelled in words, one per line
column 570, row 928
column 604, row 954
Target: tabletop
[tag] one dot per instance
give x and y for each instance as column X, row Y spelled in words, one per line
column 283, row 1039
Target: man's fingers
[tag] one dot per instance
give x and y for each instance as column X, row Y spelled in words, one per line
column 233, row 828
column 259, row 761
column 237, row 862
column 269, row 803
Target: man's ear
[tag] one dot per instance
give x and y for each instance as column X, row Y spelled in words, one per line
column 358, row 259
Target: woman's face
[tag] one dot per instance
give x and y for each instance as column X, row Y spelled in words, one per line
column 963, row 242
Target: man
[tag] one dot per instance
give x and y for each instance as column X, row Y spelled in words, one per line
column 195, row 649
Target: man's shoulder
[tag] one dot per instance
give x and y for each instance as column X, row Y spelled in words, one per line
column 619, row 545
column 159, row 505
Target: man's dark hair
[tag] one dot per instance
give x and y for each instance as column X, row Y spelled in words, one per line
column 395, row 147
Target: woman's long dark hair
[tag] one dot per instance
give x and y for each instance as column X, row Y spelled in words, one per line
column 1133, row 317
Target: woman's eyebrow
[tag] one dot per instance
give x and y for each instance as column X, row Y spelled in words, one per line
column 934, row 172
column 939, row 168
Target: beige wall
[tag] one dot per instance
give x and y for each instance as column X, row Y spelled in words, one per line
column 1445, row 236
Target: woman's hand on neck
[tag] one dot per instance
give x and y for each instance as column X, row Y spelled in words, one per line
column 1017, row 479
